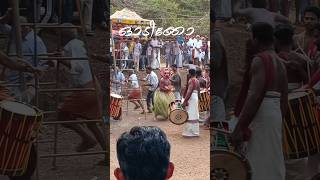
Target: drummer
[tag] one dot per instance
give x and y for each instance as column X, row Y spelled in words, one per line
column 206, row 75
column 176, row 82
column 297, row 75
column 202, row 81
column 117, row 80
column 191, row 103
column 265, row 101
column 19, row 65
column 295, row 63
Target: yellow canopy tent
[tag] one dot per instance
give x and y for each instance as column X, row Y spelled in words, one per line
column 126, row 16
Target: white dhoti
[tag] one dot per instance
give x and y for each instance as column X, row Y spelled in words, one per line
column 191, row 128
column 155, row 64
column 264, row 149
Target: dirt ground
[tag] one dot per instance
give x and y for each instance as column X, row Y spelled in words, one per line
column 189, row 155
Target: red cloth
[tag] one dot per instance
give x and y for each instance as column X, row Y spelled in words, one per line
column 312, row 49
column 84, row 104
column 134, row 94
column 315, row 78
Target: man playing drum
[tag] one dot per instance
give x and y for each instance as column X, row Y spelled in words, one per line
column 297, row 75
column 191, row 102
column 266, row 100
column 19, row 65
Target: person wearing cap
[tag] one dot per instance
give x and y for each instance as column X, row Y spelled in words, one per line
column 176, row 82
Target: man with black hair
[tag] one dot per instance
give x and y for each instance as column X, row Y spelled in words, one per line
column 202, row 81
column 176, row 82
column 153, row 82
column 191, row 102
column 144, row 154
column 295, row 62
column 265, row 101
column 306, row 40
column 297, row 75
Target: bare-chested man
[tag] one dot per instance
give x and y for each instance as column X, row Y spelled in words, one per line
column 260, row 118
column 306, row 40
column 294, row 62
column 297, row 76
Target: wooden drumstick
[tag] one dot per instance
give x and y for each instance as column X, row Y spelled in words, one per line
column 303, row 120
column 10, row 154
column 293, row 122
column 311, row 112
column 5, row 151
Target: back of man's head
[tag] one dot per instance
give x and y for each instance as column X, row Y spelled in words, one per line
column 144, row 154
column 198, row 72
column 284, row 34
column 263, row 33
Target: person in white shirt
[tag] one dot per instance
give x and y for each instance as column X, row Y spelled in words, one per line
column 136, row 54
column 117, row 80
column 26, row 94
column 125, row 54
column 197, row 47
column 135, row 91
column 149, row 55
column 153, row 81
column 155, row 63
column 83, row 104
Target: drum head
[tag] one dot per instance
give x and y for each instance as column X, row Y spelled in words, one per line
column 295, row 95
column 18, row 108
column 178, row 116
column 226, row 165
column 117, row 96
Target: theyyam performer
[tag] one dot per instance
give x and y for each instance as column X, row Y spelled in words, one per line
column 163, row 96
